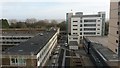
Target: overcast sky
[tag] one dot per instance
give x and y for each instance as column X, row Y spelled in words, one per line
column 50, row 9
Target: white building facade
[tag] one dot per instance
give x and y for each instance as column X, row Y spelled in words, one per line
column 86, row 25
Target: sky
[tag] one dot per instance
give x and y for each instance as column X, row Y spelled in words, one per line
column 50, row 9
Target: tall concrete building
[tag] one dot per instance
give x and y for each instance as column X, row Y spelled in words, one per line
column 80, row 25
column 114, row 26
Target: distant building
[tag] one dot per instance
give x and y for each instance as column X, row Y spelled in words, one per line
column 114, row 26
column 34, row 53
column 80, row 25
column 13, row 37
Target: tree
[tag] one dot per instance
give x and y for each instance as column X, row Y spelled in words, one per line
column 4, row 23
column 62, row 26
column 13, row 25
column 21, row 25
column 31, row 20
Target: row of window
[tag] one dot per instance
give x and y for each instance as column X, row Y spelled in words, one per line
column 18, row 61
column 88, row 29
column 88, row 25
column 94, row 20
column 10, row 42
column 87, row 33
column 91, row 20
column 16, row 37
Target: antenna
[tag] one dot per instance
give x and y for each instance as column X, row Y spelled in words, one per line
column 71, row 10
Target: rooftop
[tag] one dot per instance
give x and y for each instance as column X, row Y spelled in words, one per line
column 19, row 32
column 33, row 45
column 100, row 44
column 98, row 39
column 73, row 43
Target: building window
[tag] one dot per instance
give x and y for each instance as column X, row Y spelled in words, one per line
column 74, row 25
column 80, row 25
column 80, row 29
column 89, row 33
column 75, row 21
column 98, row 24
column 116, row 41
column 18, row 60
column 80, row 37
column 117, row 23
column 98, row 28
column 94, row 20
column 75, row 38
column 80, row 33
column 74, row 33
column 98, row 33
column 98, row 20
column 89, row 25
column 14, row 60
column 38, row 58
column 115, row 50
column 117, row 32
column 80, row 21
column 74, row 29
column 89, row 29
column 118, row 13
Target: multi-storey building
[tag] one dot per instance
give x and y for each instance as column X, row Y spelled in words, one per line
column 13, row 37
column 80, row 25
column 33, row 53
column 107, row 49
column 114, row 26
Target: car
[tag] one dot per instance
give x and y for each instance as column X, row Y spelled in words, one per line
column 66, row 44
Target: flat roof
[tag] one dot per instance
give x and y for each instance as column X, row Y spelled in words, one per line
column 19, row 32
column 100, row 44
column 32, row 46
column 98, row 39
column 73, row 43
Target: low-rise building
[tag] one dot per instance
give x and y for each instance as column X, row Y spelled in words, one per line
column 13, row 37
column 35, row 52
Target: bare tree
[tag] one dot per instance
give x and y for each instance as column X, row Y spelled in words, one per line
column 31, row 20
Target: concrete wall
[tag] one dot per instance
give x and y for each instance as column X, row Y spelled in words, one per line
column 113, row 37
column 68, row 21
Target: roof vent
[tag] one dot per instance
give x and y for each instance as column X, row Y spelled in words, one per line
column 31, row 43
column 41, row 34
column 20, row 50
